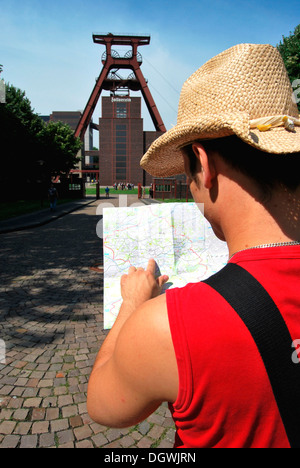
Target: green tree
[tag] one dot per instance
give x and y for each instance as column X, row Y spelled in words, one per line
column 18, row 141
column 59, row 147
column 289, row 49
column 31, row 149
column 19, row 106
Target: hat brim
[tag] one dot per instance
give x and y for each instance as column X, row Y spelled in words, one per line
column 164, row 157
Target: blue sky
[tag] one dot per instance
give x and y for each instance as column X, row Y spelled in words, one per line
column 46, row 47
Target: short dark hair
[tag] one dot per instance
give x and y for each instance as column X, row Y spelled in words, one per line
column 269, row 171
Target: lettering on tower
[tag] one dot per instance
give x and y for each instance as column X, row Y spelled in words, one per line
column 120, row 99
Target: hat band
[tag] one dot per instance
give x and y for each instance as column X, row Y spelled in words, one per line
column 264, row 124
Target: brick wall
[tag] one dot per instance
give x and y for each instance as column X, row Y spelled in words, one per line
column 149, row 138
column 137, row 141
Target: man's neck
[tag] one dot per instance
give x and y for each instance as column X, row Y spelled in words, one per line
column 250, row 223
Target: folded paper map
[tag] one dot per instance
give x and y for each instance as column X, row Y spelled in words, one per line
column 176, row 235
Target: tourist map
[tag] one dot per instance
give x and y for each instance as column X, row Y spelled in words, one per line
column 176, row 235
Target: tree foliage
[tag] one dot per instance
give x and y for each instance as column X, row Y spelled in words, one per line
column 32, row 149
column 289, row 49
column 59, row 147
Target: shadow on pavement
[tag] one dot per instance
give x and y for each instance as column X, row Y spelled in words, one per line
column 47, row 282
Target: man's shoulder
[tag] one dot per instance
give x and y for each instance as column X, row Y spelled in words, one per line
column 152, row 313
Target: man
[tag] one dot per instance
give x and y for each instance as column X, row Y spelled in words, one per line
column 53, row 196
column 238, row 140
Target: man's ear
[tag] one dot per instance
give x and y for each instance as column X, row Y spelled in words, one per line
column 208, row 170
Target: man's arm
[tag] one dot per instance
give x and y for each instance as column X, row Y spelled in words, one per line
column 136, row 369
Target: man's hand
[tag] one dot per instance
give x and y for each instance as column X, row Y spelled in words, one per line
column 140, row 285
column 137, row 287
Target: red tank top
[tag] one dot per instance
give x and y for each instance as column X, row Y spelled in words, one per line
column 225, row 399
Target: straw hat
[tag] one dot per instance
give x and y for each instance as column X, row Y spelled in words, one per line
column 243, row 91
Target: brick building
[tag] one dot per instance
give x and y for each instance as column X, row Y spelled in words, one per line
column 123, row 141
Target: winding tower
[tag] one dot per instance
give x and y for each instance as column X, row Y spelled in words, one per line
column 110, row 79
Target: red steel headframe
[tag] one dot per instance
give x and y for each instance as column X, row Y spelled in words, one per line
column 109, row 63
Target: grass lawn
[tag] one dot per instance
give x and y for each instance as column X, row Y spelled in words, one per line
column 21, row 207
column 92, row 191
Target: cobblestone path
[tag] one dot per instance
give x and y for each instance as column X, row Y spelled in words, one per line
column 51, row 328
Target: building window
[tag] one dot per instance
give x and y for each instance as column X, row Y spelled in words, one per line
column 121, row 148
column 121, row 110
column 163, row 188
column 121, row 175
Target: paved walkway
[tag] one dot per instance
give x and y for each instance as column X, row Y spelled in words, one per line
column 51, row 324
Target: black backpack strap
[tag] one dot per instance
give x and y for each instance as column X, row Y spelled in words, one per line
column 261, row 316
